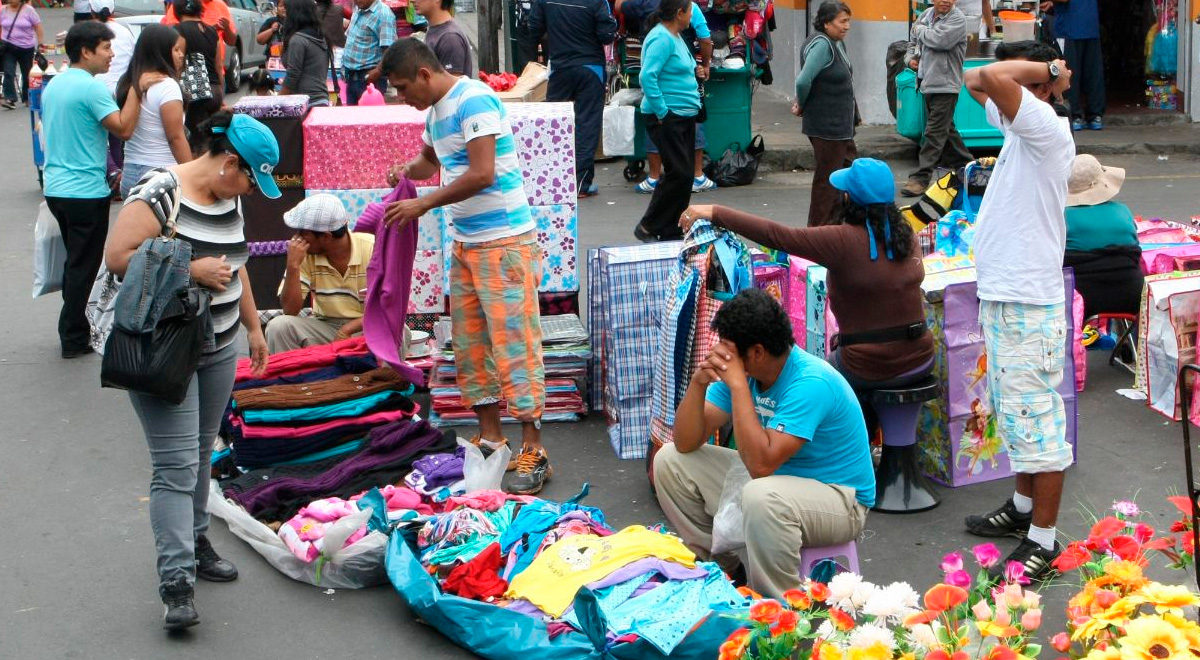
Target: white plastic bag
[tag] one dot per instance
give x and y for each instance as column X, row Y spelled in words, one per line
column 627, row 96
column 481, row 473
column 359, row 565
column 619, row 130
column 49, row 253
column 728, row 534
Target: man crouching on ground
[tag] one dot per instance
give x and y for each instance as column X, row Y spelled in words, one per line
column 799, row 431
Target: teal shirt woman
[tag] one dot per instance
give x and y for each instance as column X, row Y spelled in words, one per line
column 1099, row 226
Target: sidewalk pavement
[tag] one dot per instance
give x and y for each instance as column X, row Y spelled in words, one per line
column 789, row 149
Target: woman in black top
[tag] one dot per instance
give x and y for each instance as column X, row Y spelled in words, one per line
column 201, row 38
column 306, row 53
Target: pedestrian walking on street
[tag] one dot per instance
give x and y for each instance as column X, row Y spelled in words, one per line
column 77, row 110
column 372, row 30
column 205, row 40
column 939, row 39
column 447, row 38
column 1077, row 25
column 20, row 37
column 307, row 56
column 239, row 156
column 159, row 139
column 672, row 105
column 1019, row 243
column 578, row 31
column 825, row 101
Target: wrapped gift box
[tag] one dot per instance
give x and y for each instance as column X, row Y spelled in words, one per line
column 956, row 434
column 428, row 295
column 628, row 291
column 352, row 147
column 545, row 134
column 291, row 106
column 355, row 201
column 797, row 298
column 1167, row 324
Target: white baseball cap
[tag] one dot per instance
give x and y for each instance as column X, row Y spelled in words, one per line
column 319, row 213
column 100, row 5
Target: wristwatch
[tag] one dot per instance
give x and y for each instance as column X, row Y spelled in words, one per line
column 1053, row 69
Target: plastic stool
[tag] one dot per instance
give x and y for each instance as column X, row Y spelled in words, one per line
column 844, row 555
column 1126, row 326
column 900, row 486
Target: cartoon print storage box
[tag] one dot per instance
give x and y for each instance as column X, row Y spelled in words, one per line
column 352, row 147
column 957, row 436
column 628, row 288
column 1167, row 327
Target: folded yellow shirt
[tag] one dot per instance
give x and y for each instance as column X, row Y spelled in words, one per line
column 562, row 569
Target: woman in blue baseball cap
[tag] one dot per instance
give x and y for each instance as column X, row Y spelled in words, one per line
column 875, row 275
column 238, row 157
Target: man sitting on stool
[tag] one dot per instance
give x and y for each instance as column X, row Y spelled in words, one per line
column 799, row 431
column 329, row 261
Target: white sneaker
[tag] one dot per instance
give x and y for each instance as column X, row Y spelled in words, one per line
column 647, row 186
column 703, row 184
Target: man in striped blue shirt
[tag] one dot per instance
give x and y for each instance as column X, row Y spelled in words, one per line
column 495, row 267
column 372, row 29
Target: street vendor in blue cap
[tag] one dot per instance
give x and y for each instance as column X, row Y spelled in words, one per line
column 875, row 275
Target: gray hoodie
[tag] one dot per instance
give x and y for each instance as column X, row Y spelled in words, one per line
column 307, row 64
column 941, row 43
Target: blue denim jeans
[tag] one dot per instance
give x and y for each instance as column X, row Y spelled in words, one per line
column 180, row 438
column 131, row 173
column 356, row 84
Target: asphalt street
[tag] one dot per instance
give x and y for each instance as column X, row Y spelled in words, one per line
column 77, row 573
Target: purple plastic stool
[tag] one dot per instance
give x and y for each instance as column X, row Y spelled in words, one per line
column 844, row 555
column 900, row 486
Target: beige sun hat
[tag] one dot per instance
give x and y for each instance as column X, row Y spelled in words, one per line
column 1091, row 183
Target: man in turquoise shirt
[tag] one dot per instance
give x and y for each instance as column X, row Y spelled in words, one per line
column 799, row 432
column 77, row 109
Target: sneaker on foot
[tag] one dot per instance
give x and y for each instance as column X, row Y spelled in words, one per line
column 533, row 469
column 179, row 608
column 210, row 566
column 590, row 191
column 1033, row 557
column 1096, row 124
column 1005, row 521
column 703, row 184
column 913, row 188
column 647, row 186
column 10, row 105
column 1077, row 124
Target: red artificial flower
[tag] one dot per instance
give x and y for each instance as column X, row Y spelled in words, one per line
column 1061, row 642
column 1106, row 528
column 786, row 623
column 819, row 591
column 1179, row 526
column 840, row 619
column 1072, row 557
column 942, row 597
column 766, row 611
column 926, row 616
column 941, row 654
column 1001, row 652
column 1143, row 532
column 1182, row 503
column 1124, row 547
column 797, row 599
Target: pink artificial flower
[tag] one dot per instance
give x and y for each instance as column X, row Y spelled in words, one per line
column 959, row 578
column 987, row 555
column 1143, row 532
column 1126, row 508
column 982, row 611
column 1031, row 619
column 1014, row 573
column 1002, row 617
column 1032, row 599
column 1014, row 596
column 952, row 562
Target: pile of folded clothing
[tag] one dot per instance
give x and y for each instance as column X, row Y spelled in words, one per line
column 565, row 353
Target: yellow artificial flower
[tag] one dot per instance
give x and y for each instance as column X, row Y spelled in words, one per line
column 827, row 651
column 1152, row 638
column 1107, row 653
column 876, row 651
column 1166, row 597
column 1116, row 615
column 1126, row 574
column 1190, row 630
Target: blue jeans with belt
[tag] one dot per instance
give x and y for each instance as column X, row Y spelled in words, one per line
column 356, row 84
column 180, row 438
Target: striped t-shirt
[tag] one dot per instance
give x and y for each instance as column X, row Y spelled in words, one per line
column 213, row 230
column 468, row 111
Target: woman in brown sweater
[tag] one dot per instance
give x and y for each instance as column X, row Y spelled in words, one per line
column 875, row 275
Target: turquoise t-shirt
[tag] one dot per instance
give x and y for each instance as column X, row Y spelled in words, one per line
column 812, row 401
column 73, row 105
column 1099, row 226
column 668, row 76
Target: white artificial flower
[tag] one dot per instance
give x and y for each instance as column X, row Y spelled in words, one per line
column 848, row 591
column 868, row 635
column 893, row 602
column 923, row 634
column 826, row 630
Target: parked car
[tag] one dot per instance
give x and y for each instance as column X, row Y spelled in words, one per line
column 244, row 54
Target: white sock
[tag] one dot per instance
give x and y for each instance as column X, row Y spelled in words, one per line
column 1043, row 536
column 1023, row 503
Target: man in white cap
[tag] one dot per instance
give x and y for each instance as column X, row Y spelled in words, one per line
column 327, row 263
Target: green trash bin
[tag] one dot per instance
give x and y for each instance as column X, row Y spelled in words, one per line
column 969, row 117
column 910, row 107
column 727, row 97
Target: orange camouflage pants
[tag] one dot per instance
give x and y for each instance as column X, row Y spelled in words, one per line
column 497, row 331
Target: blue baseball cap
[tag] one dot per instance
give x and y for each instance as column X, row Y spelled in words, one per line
column 257, row 146
column 867, row 180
